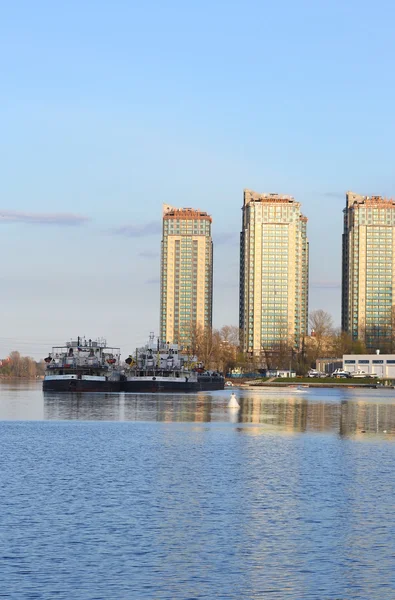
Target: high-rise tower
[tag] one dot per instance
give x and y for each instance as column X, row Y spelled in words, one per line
column 273, row 272
column 186, row 274
column 369, row 269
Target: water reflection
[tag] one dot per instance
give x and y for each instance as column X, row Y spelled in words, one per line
column 84, row 407
column 346, row 412
column 169, row 408
column 261, row 413
column 363, row 417
column 199, row 509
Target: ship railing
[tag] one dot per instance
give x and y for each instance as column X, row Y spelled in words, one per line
column 143, row 372
column 70, row 363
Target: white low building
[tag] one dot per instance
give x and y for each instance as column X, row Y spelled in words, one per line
column 382, row 365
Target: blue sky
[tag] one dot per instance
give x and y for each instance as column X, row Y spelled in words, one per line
column 109, row 109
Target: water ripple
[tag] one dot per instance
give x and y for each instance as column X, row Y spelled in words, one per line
column 177, row 509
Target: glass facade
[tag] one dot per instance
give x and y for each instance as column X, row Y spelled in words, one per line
column 368, row 269
column 273, row 272
column 186, row 274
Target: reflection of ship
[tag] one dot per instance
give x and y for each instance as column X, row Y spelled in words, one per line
column 83, row 366
column 84, row 406
column 160, row 367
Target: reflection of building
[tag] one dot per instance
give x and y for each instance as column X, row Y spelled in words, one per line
column 360, row 417
column 273, row 272
column 289, row 413
column 368, row 268
column 168, row 408
column 186, row 274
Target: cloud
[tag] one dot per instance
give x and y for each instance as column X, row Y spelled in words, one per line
column 334, row 194
column 329, row 285
column 152, row 281
column 148, row 254
column 68, row 219
column 151, row 228
column 226, row 238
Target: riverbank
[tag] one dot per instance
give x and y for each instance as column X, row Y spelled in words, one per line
column 9, row 378
column 328, row 382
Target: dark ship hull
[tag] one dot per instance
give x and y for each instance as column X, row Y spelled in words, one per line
column 153, row 385
column 211, row 382
column 147, row 385
column 80, row 385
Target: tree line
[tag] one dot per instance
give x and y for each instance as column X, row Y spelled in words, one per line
column 16, row 365
column 221, row 349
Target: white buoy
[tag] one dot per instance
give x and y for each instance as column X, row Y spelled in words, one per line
column 233, row 401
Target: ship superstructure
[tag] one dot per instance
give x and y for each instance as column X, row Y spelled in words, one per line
column 161, row 367
column 83, row 365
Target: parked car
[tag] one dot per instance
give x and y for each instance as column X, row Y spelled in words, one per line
column 315, row 373
column 340, row 374
column 362, row 375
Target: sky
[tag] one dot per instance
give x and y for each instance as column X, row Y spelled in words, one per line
column 109, row 109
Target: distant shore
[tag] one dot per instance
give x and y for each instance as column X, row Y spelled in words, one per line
column 307, row 385
column 21, row 378
column 310, row 383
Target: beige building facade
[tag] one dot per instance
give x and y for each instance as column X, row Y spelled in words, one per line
column 273, row 272
column 186, row 274
column 368, row 278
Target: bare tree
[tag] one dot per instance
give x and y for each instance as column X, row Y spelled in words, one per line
column 21, row 366
column 227, row 344
column 321, row 324
column 230, row 334
column 217, row 349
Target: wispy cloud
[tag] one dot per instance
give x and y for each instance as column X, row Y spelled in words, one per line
column 142, row 230
column 152, row 281
column 329, row 285
column 67, row 219
column 334, row 194
column 226, row 238
column 148, row 254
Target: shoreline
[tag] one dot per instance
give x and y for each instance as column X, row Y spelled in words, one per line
column 21, row 378
column 307, row 385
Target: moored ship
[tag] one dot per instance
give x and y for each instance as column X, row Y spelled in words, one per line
column 83, row 366
column 160, row 367
column 210, row 380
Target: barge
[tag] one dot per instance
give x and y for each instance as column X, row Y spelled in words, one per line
column 83, row 366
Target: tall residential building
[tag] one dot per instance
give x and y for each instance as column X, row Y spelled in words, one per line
column 274, row 264
column 368, row 268
column 186, row 274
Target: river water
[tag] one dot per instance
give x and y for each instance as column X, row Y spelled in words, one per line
column 178, row 497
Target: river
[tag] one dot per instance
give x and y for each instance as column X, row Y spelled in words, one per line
column 178, row 497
